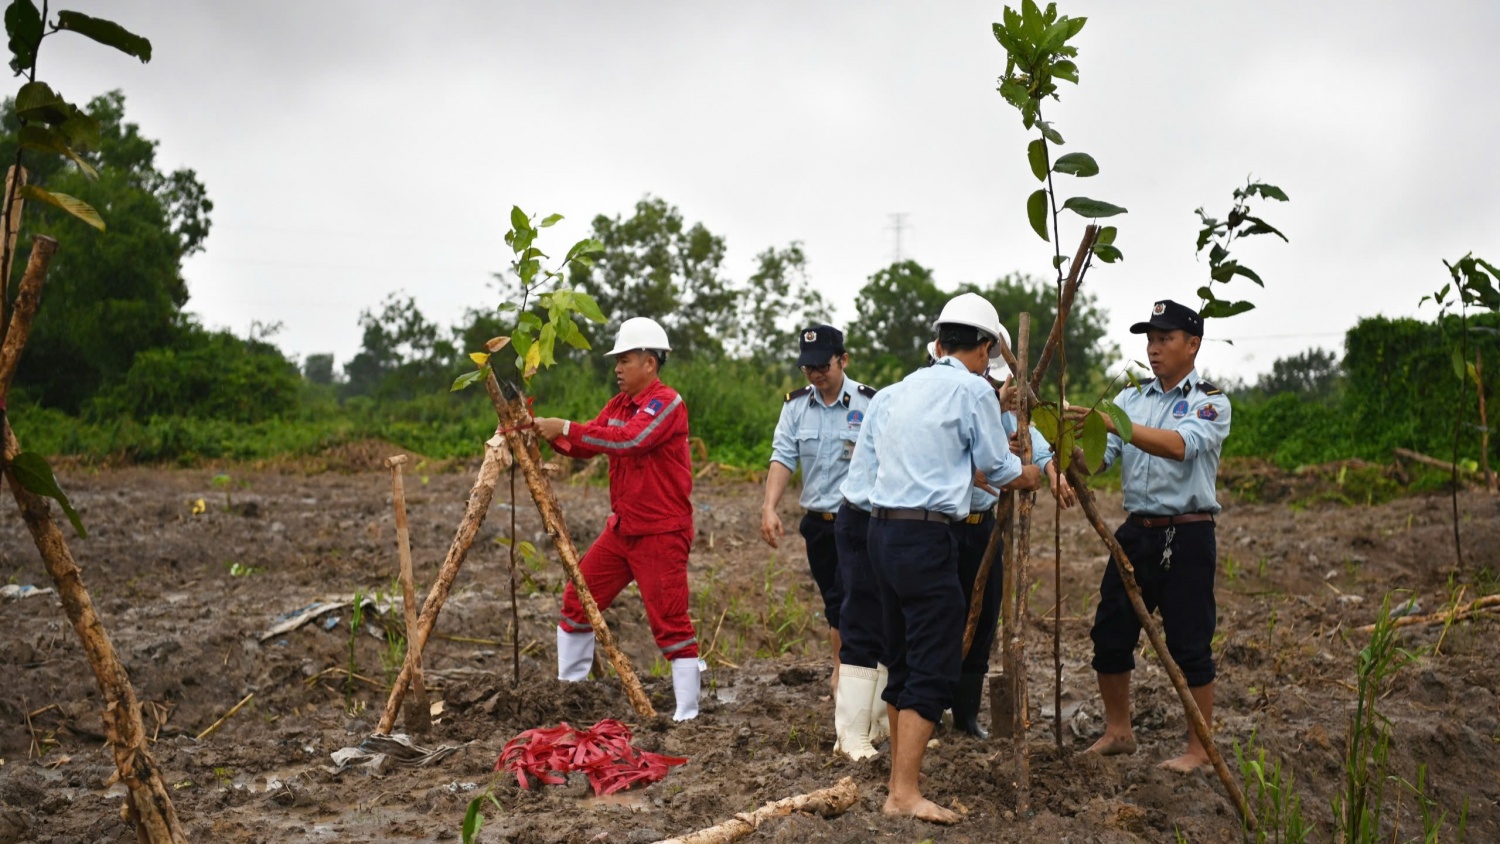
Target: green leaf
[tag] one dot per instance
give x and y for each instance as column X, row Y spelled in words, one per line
column 583, row 248
column 1217, row 254
column 464, row 381
column 1124, row 428
column 1248, row 273
column 1268, row 191
column 1206, row 293
column 545, row 341
column 1259, row 226
column 1079, row 164
column 1036, row 153
column 37, row 101
column 1092, row 208
column 473, row 820
column 1036, row 212
column 1063, row 451
column 107, row 33
column 528, row 323
column 550, row 220
column 587, row 306
column 1049, row 133
column 39, row 137
column 34, row 473
column 1473, row 373
column 1108, row 254
column 1106, row 235
column 518, row 220
column 1044, row 419
column 1221, row 308
column 1066, row 70
column 1458, row 368
column 23, row 23
column 77, row 207
column 80, row 130
column 568, row 331
column 1095, row 438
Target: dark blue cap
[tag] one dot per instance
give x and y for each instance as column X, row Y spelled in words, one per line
column 819, row 344
column 1167, row 315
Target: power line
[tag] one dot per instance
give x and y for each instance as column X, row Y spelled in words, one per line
column 897, row 226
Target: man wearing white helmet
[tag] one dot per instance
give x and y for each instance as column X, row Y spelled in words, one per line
column 924, row 438
column 644, row 432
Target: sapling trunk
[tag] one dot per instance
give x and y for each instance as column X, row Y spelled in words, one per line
column 1064, row 305
column 513, row 416
column 1159, row 644
column 1490, row 481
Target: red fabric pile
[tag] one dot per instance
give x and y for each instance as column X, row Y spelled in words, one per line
column 602, row 752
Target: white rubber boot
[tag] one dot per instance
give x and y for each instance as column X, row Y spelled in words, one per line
column 851, row 711
column 880, row 720
column 686, row 682
column 575, row 655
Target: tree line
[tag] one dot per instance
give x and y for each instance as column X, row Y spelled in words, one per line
column 115, row 346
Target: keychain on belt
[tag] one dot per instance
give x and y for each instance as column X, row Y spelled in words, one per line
column 1166, row 552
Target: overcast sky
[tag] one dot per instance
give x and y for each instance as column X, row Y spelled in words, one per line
column 357, row 148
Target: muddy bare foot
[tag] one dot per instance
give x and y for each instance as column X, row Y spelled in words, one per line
column 1109, row 745
column 1186, row 763
column 920, row 808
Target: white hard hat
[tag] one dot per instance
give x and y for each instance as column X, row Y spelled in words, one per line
column 975, row 311
column 999, row 369
column 640, row 333
column 932, row 350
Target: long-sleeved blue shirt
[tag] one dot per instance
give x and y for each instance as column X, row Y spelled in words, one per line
column 1199, row 412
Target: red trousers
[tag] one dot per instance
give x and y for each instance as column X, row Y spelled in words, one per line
column 658, row 564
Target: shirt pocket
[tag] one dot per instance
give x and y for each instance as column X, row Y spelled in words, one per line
column 846, row 443
column 807, row 446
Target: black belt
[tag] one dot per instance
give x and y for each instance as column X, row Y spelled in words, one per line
column 911, row 515
column 1168, row 521
column 856, row 507
column 818, row 514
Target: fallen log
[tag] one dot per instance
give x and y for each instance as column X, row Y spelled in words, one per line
column 496, row 458
column 1408, row 454
column 1456, row 614
column 514, row 420
column 828, row 802
column 1159, row 644
column 418, row 717
column 148, row 806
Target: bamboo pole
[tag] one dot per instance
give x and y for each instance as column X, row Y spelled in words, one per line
column 148, row 806
column 514, row 418
column 1159, row 644
column 1457, row 614
column 496, row 458
column 828, row 802
column 417, row 713
column 1015, row 644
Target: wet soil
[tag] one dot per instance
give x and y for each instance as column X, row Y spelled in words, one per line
column 186, row 595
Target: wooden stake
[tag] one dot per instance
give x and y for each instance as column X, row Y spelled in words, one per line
column 1064, row 305
column 1456, row 614
column 1015, row 644
column 28, row 300
column 417, row 713
column 1490, row 481
column 514, row 420
column 1159, row 644
column 219, row 723
column 496, row 458
column 827, row 802
column 14, row 219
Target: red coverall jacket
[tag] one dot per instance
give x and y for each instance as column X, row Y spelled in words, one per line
column 650, row 470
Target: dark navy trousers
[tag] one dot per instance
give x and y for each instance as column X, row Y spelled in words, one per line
column 823, row 559
column 916, row 566
column 861, row 624
column 972, row 540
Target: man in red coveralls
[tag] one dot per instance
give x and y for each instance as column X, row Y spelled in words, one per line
column 644, row 430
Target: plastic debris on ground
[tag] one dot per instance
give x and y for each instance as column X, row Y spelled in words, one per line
column 378, row 754
column 603, row 753
column 12, row 591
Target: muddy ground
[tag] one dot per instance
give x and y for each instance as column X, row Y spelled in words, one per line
column 185, row 597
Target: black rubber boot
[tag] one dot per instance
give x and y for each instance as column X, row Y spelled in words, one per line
column 966, row 705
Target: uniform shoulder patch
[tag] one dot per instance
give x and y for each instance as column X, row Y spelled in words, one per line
column 1209, row 389
column 866, row 391
column 797, row 394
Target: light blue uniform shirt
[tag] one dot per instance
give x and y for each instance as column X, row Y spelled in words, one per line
column 1041, row 455
column 821, row 437
column 924, row 437
column 1157, row 486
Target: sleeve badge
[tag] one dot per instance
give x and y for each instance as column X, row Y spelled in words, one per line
column 1208, row 412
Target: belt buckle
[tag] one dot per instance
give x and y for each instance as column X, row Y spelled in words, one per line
column 974, row 518
column 827, row 517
